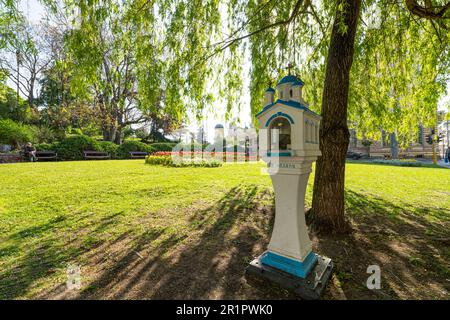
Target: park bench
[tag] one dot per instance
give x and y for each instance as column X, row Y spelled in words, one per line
column 138, row 154
column 353, row 155
column 46, row 155
column 96, row 155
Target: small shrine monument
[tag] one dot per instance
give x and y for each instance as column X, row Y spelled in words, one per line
column 291, row 134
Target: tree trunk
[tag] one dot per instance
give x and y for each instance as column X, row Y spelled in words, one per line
column 106, row 134
column 328, row 197
column 109, row 133
column 112, row 133
column 31, row 98
column 394, row 145
column 118, row 137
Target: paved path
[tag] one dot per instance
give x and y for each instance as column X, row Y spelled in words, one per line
column 443, row 164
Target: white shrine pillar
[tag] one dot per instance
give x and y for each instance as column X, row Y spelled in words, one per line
column 289, row 258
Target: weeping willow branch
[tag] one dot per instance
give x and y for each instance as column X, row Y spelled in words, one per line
column 428, row 11
column 231, row 41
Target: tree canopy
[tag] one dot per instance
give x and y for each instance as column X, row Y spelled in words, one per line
column 375, row 66
column 171, row 57
column 188, row 53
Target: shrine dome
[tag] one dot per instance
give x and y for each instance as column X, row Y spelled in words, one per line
column 290, row 79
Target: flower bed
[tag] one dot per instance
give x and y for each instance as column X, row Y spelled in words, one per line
column 180, row 161
column 207, row 156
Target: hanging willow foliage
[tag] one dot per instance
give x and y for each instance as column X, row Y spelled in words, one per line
column 188, row 53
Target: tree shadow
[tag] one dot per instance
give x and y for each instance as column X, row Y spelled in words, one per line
column 44, row 250
column 207, row 258
column 412, row 251
column 208, row 265
column 398, row 164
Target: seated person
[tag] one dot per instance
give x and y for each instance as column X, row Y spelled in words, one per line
column 30, row 152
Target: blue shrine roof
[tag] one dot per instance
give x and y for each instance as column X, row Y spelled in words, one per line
column 270, row 89
column 298, row 83
column 290, row 78
column 290, row 103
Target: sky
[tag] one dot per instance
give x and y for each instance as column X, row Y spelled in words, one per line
column 34, row 11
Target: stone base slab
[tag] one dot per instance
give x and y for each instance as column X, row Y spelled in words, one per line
column 309, row 288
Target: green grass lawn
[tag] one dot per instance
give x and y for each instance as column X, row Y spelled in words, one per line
column 141, row 231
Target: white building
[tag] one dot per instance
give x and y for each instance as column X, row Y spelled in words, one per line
column 444, row 135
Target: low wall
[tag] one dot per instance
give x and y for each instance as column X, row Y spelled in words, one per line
column 10, row 158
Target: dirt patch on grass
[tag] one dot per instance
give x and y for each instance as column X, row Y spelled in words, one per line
column 412, row 253
column 207, row 256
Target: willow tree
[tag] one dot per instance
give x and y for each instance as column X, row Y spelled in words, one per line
column 401, row 68
column 401, row 75
column 150, row 55
column 183, row 46
column 8, row 16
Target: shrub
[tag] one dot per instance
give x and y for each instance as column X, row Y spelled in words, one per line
column 43, row 134
column 123, row 152
column 72, row 147
column 158, row 160
column 166, row 160
column 366, row 143
column 168, row 146
column 110, row 147
column 163, row 146
column 14, row 133
column 46, row 146
column 400, row 162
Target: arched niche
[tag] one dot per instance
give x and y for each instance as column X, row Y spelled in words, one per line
column 280, row 138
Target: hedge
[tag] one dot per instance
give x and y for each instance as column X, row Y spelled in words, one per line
column 15, row 133
column 72, row 147
column 110, row 147
column 123, row 151
column 166, row 160
column 163, row 146
column 46, row 146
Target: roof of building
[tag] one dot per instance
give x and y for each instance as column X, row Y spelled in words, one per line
column 218, row 126
column 289, row 103
column 290, row 78
column 298, row 83
column 270, row 89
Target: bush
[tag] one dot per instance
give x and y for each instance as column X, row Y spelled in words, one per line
column 43, row 134
column 110, row 147
column 46, row 146
column 15, row 133
column 400, row 162
column 163, row 146
column 72, row 147
column 123, row 152
column 158, row 160
column 167, row 160
column 168, row 146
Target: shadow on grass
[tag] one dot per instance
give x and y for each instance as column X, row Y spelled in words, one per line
column 210, row 265
column 411, row 251
column 404, row 164
column 44, row 249
column 208, row 258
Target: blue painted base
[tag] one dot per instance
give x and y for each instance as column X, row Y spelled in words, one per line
column 295, row 267
column 279, row 154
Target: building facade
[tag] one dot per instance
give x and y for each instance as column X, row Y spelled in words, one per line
column 444, row 134
column 420, row 148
